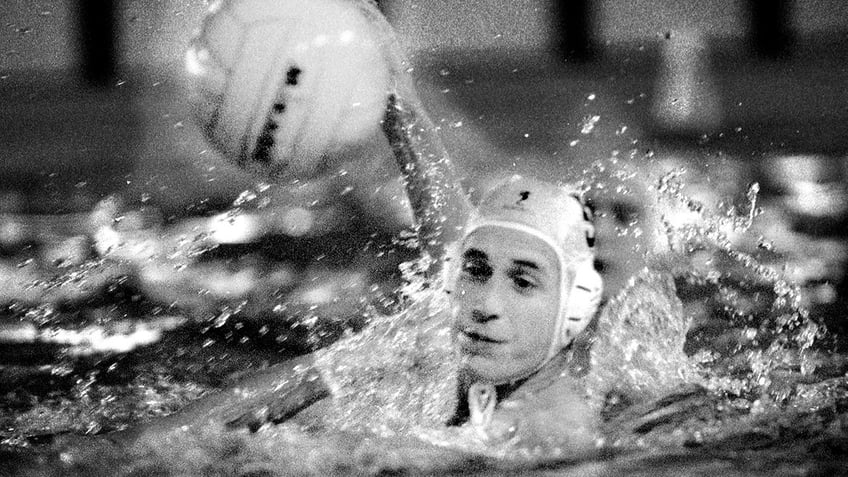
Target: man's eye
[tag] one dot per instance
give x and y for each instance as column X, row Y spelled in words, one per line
column 476, row 271
column 524, row 282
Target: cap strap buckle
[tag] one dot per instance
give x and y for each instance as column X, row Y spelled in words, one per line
column 481, row 404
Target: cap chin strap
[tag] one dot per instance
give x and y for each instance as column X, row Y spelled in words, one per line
column 482, row 398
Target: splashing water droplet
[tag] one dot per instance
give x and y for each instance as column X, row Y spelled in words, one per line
column 245, row 197
column 587, row 125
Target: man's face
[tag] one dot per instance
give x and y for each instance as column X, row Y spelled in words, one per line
column 506, row 302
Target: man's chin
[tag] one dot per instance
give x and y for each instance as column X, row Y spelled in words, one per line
column 491, row 369
column 481, row 369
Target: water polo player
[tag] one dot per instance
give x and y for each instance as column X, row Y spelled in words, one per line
column 521, row 284
column 520, row 280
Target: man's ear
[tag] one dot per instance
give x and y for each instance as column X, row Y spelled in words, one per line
column 583, row 301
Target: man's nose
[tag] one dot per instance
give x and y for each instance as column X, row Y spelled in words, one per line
column 490, row 305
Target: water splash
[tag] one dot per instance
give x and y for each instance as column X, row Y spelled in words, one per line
column 399, row 374
column 642, row 346
column 638, row 348
column 779, row 336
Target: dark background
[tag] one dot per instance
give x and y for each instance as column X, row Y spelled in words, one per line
column 93, row 98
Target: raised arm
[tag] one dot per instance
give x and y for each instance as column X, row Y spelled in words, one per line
column 439, row 204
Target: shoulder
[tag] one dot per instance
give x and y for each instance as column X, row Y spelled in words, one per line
column 561, row 399
column 555, row 416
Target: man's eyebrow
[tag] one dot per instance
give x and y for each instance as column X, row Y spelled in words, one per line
column 528, row 264
column 475, row 254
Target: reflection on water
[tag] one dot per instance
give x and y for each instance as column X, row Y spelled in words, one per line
column 707, row 361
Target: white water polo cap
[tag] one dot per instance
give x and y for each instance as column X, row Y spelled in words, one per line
column 556, row 215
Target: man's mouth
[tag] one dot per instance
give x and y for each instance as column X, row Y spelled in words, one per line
column 476, row 337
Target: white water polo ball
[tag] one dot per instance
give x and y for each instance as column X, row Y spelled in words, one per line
column 280, row 86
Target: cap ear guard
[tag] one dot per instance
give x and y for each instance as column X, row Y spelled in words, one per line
column 583, row 301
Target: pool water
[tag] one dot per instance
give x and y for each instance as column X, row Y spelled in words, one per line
column 712, row 352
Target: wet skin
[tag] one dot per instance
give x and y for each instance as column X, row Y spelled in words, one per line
column 506, row 303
